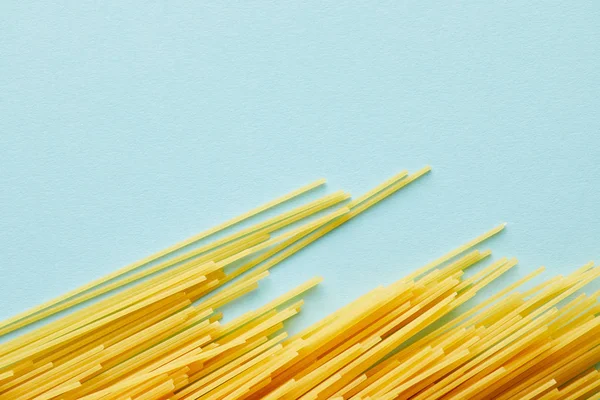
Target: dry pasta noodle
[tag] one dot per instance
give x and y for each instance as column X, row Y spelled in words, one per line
column 159, row 334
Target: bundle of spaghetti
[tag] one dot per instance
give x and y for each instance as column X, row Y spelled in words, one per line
column 485, row 356
column 417, row 338
column 345, row 344
column 224, row 376
column 512, row 346
column 163, row 333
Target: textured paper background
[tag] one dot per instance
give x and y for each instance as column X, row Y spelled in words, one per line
column 127, row 126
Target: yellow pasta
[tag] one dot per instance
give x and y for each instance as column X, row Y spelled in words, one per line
column 156, row 256
column 6, row 375
column 163, row 338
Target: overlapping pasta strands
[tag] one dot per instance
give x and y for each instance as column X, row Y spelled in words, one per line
column 515, row 346
column 160, row 335
column 165, row 326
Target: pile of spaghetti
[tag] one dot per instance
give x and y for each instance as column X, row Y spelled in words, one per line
column 153, row 329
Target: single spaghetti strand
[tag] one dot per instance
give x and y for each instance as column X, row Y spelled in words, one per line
column 399, row 176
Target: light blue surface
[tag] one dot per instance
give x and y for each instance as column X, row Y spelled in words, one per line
column 128, row 126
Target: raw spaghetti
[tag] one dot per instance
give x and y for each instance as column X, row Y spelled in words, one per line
column 159, row 335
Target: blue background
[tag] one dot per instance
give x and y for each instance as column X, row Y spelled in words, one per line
column 128, row 126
